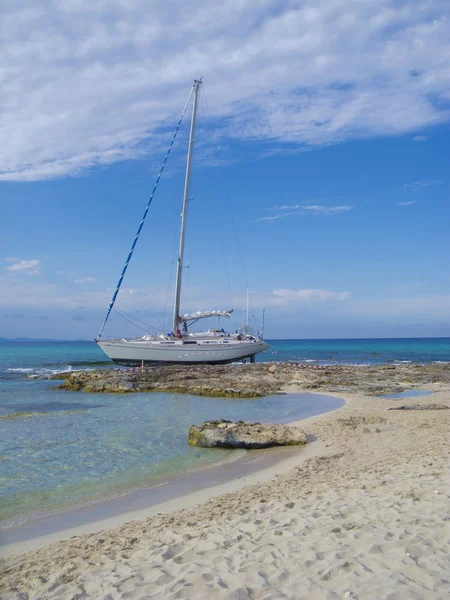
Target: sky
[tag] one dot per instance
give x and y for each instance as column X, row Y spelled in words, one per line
column 321, row 168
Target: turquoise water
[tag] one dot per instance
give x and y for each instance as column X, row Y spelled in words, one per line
column 61, row 447
column 26, row 358
column 363, row 351
column 58, row 448
column 19, row 359
column 408, row 394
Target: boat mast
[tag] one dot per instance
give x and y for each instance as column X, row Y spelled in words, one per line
column 176, row 311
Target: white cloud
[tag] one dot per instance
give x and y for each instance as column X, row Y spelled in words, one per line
column 275, row 217
column 89, row 83
column 417, row 186
column 421, row 138
column 285, row 207
column 35, row 295
column 424, row 307
column 85, row 280
column 29, row 267
column 51, row 295
column 289, row 310
column 406, row 203
column 288, row 297
column 326, row 210
column 302, row 209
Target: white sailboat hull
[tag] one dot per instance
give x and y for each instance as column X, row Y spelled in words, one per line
column 138, row 352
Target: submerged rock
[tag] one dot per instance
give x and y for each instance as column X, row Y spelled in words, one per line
column 227, row 434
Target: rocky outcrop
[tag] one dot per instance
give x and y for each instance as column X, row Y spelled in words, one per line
column 259, row 379
column 201, row 381
column 251, row 436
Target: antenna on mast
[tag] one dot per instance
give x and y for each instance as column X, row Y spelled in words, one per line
column 247, row 320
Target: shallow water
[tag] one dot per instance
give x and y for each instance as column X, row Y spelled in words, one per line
column 60, row 447
column 408, row 394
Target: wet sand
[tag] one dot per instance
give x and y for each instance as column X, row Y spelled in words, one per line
column 165, row 495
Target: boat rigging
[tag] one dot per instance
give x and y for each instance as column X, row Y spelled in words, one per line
column 181, row 347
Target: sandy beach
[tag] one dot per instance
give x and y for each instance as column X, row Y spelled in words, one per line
column 366, row 515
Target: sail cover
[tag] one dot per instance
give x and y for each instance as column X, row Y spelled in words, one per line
column 205, row 314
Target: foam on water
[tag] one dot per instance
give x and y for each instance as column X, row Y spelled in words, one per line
column 43, row 372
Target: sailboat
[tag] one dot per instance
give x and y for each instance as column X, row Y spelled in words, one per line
column 182, row 345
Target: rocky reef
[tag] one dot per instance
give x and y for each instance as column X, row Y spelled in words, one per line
column 251, row 436
column 259, row 379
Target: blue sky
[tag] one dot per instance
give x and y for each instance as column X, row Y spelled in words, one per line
column 330, row 147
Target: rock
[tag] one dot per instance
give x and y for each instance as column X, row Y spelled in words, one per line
column 227, row 434
column 420, row 407
column 255, row 380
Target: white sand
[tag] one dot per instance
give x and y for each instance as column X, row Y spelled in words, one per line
column 371, row 519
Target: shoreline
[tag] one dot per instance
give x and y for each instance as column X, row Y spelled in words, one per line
column 172, row 490
column 368, row 516
column 255, row 470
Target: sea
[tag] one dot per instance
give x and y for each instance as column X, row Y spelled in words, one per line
column 62, row 449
